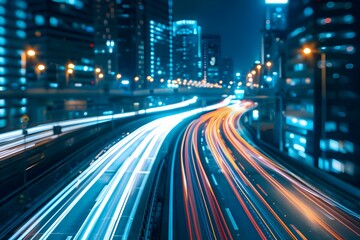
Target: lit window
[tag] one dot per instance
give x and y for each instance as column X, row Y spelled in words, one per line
column 20, row 24
column 349, row 66
column 349, row 19
column 54, row 21
column 19, row 14
column 39, row 20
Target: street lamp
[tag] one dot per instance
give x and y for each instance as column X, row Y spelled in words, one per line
column 258, row 67
column 71, row 66
column 118, row 76
column 69, row 71
column 24, row 54
column 268, row 65
column 39, row 69
column 308, row 51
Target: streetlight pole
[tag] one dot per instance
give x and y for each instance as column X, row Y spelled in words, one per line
column 308, row 51
column 323, row 99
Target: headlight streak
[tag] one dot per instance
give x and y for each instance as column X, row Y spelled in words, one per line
column 258, row 159
column 191, row 168
column 118, row 149
column 321, row 200
column 212, row 138
column 51, row 215
column 311, row 203
column 35, row 133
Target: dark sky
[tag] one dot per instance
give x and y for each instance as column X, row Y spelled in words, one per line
column 237, row 21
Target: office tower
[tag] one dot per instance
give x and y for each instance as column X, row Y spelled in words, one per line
column 105, row 47
column 144, row 41
column 322, row 86
column 273, row 35
column 12, row 68
column 211, row 57
column 187, row 50
column 62, row 33
column 227, row 71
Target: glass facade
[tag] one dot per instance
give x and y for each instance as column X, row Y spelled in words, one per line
column 187, row 50
column 13, row 62
column 322, row 86
column 211, row 58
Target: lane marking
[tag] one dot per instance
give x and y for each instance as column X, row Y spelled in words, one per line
column 69, row 238
column 327, row 215
column 298, row 232
column 213, row 177
column 207, row 160
column 261, row 189
column 232, row 220
column 102, row 193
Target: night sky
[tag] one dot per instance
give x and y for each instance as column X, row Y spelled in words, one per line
column 237, row 21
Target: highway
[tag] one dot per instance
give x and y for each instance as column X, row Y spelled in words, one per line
column 226, row 188
column 101, row 203
column 15, row 142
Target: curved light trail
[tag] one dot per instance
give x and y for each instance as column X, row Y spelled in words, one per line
column 14, row 142
column 232, row 190
column 111, row 187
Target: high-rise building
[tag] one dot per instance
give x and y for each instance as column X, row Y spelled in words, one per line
column 144, row 41
column 187, row 50
column 62, row 32
column 105, row 47
column 227, row 71
column 211, row 57
column 158, row 36
column 322, row 86
column 12, row 68
column 273, row 35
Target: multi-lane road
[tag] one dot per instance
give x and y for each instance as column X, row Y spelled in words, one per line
column 226, row 188
column 221, row 187
column 102, row 202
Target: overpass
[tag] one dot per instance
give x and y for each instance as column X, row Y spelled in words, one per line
column 42, row 93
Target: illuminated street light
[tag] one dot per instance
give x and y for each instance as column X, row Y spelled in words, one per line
column 31, row 52
column 253, row 72
column 41, row 67
column 71, row 66
column 118, row 76
column 97, row 70
column 249, row 75
column 101, row 75
column 268, row 64
column 136, row 78
column 258, row 67
column 70, row 71
column 307, row 51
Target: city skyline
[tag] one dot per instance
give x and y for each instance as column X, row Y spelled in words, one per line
column 240, row 40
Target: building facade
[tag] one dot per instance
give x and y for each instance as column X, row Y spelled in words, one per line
column 322, row 86
column 62, row 33
column 273, row 36
column 105, row 44
column 187, row 50
column 144, row 42
column 211, row 57
column 13, row 60
column 227, row 72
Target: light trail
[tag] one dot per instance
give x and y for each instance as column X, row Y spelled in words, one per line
column 277, row 202
column 115, row 183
